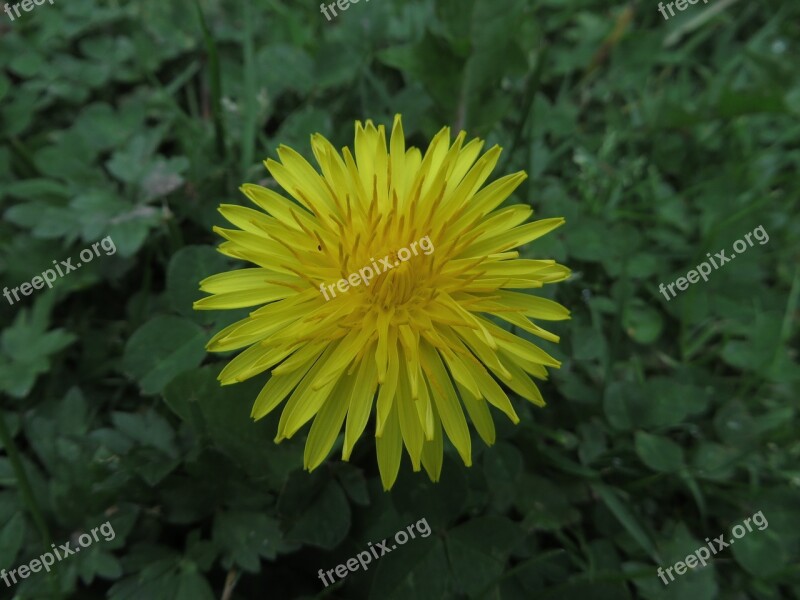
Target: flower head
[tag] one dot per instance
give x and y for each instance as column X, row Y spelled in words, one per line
column 382, row 285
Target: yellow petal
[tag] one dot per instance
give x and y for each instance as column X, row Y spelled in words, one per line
column 245, row 332
column 433, row 450
column 389, row 448
column 360, row 404
column 301, row 190
column 300, row 359
column 534, row 306
column 410, row 425
column 288, row 213
column 490, row 198
column 466, row 158
column 346, row 351
column 521, row 383
column 446, row 402
column 388, row 390
column 262, row 295
column 425, row 408
column 245, row 279
column 519, row 347
column 278, row 387
column 410, row 341
column 494, row 393
column 304, row 402
column 256, row 359
column 365, row 146
column 397, row 153
column 474, row 179
column 478, row 413
column 327, row 424
column 482, row 350
column 513, row 237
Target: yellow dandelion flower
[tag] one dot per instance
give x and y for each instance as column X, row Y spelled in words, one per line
column 382, row 285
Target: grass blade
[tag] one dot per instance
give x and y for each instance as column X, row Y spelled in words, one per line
column 250, row 107
column 214, row 83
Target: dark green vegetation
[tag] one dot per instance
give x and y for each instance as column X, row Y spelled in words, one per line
column 669, row 422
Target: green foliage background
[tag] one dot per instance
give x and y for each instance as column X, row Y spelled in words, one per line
column 669, row 422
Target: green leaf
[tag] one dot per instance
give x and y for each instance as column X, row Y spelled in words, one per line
column 100, row 125
column 354, row 483
column 502, row 468
column 715, row 461
column 130, row 163
column 11, row 536
column 325, row 521
column 659, row 453
column 420, row 572
column 442, row 503
column 44, row 221
column 148, row 428
column 97, row 208
column 658, row 402
column 162, row 349
column 627, row 407
column 589, row 343
column 26, row 346
column 106, row 565
column 223, row 414
column 282, row 66
column 735, row 425
column 622, row 511
column 760, row 553
column 130, row 230
column 193, row 586
column 478, row 551
column 187, row 268
column 643, row 323
column 696, row 583
column 38, row 188
column 600, row 590
column 545, row 505
column 433, row 62
column 244, row 537
column 157, row 579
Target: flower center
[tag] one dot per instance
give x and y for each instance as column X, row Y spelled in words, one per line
column 397, row 286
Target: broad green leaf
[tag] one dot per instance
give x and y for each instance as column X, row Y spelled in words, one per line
column 658, row 452
column 162, row 349
column 502, row 468
column 478, row 551
column 760, row 553
column 420, row 571
column 223, row 414
column 187, row 268
column 643, row 323
column 325, row 521
column 244, row 537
